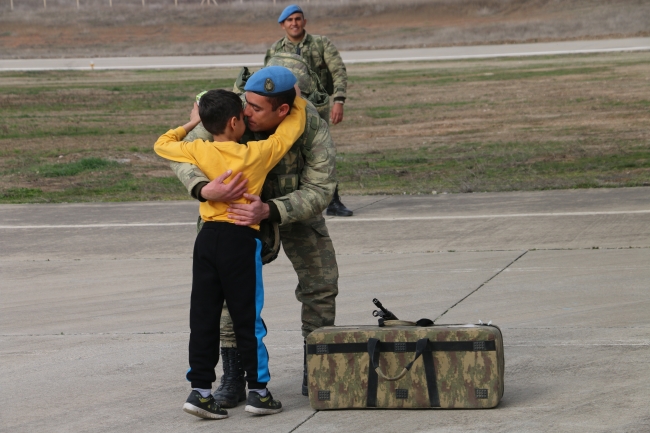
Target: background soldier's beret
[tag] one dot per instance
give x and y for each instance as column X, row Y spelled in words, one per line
column 291, row 9
column 270, row 81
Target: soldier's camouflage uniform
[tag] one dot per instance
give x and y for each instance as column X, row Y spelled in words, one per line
column 321, row 55
column 301, row 186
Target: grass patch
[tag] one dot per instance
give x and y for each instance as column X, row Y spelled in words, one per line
column 458, row 126
column 121, row 188
column 20, row 195
column 478, row 167
column 74, row 168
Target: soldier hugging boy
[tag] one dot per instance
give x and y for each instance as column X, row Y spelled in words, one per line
column 227, row 261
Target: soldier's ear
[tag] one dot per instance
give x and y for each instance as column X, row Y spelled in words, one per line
column 283, row 110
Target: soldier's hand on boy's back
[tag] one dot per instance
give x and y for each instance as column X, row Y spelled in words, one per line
column 219, row 191
column 248, row 214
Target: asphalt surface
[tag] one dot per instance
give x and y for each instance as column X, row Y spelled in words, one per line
column 94, row 302
column 349, row 57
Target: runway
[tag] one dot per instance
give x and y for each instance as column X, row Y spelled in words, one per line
column 94, row 302
column 349, row 57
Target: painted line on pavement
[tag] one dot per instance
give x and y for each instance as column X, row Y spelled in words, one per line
column 575, row 344
column 339, row 219
column 463, row 217
column 346, row 56
column 96, row 226
column 494, row 55
column 105, row 68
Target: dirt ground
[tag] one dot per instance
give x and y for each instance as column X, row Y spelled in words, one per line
column 160, row 28
column 510, row 100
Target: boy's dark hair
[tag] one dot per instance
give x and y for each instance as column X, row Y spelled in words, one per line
column 217, row 107
column 286, row 97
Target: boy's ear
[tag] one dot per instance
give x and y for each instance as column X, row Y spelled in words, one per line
column 233, row 122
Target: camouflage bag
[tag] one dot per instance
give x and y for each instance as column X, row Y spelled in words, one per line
column 326, row 78
column 405, row 367
column 240, row 82
column 322, row 71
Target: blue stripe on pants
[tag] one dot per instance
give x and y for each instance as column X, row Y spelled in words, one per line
column 263, row 374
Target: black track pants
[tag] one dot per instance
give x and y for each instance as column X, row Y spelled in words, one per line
column 227, row 265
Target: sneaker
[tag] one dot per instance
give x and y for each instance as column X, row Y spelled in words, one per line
column 262, row 405
column 203, row 407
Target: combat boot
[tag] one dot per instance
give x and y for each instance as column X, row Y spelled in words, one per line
column 232, row 389
column 305, row 388
column 336, row 208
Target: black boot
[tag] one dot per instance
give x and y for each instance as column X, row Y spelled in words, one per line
column 336, row 208
column 305, row 388
column 233, row 386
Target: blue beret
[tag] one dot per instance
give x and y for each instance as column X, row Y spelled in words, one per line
column 270, row 81
column 289, row 10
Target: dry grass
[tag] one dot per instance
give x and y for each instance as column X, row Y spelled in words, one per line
column 557, row 122
column 488, row 125
column 232, row 27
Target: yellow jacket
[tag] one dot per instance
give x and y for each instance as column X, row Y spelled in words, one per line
column 254, row 159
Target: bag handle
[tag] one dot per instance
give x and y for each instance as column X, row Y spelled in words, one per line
column 420, row 346
column 399, row 323
column 421, row 322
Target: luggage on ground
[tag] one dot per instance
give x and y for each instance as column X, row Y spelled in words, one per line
column 405, row 367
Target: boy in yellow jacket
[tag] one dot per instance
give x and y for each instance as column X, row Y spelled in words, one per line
column 227, row 258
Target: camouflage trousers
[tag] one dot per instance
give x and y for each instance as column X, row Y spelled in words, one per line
column 309, row 248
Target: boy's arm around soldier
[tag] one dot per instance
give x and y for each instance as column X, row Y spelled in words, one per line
column 316, row 177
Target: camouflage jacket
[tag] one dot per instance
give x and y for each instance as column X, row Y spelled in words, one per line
column 301, row 185
column 320, row 53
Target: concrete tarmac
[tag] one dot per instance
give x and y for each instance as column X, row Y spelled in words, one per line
column 361, row 56
column 94, row 302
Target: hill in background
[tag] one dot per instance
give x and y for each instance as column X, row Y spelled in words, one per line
column 160, row 28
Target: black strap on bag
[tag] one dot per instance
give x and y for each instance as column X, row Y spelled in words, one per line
column 420, row 346
column 373, row 378
column 374, row 372
column 430, row 373
column 432, row 346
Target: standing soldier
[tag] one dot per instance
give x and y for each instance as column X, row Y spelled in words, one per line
column 324, row 59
